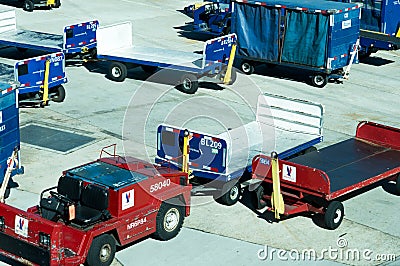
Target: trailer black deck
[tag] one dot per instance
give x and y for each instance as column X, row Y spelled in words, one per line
column 351, row 161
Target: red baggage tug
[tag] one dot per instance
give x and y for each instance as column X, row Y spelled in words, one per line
column 96, row 206
column 314, row 182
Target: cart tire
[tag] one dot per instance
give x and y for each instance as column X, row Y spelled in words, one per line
column 149, row 69
column 258, row 201
column 230, row 197
column 7, row 193
column 247, row 68
column 28, row 5
column 169, row 221
column 60, row 94
column 57, row 3
column 226, row 30
column 398, row 184
column 319, row 80
column 102, row 251
column 117, row 71
column 188, row 84
column 233, row 76
column 334, row 215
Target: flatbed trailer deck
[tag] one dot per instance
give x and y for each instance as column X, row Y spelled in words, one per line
column 76, row 39
column 115, row 44
column 315, row 181
column 289, row 125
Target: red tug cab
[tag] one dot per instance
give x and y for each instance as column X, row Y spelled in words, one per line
column 95, row 207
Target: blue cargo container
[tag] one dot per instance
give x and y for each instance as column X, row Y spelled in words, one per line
column 380, row 25
column 316, row 35
column 9, row 127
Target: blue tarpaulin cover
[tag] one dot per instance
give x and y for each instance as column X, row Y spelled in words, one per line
column 258, row 28
column 305, row 39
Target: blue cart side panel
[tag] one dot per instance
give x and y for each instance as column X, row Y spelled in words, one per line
column 79, row 36
column 344, row 34
column 30, row 73
column 218, row 50
column 207, row 154
column 391, row 18
column 9, row 125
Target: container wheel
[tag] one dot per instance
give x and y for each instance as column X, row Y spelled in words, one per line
column 233, row 76
column 60, row 94
column 247, row 67
column 231, row 196
column 169, row 221
column 319, row 80
column 398, row 184
column 258, row 200
column 102, row 251
column 334, row 215
column 117, row 71
column 28, row 5
column 188, row 84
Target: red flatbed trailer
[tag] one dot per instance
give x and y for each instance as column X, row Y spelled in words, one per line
column 313, row 182
column 111, row 201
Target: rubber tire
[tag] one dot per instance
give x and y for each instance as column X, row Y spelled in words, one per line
column 93, row 257
column 161, row 232
column 226, row 30
column 231, row 196
column 334, row 215
column 117, row 71
column 233, row 77
column 188, row 84
column 257, row 201
column 149, row 69
column 28, row 5
column 398, row 184
column 247, row 68
column 60, row 94
column 57, row 3
column 7, row 193
column 319, row 80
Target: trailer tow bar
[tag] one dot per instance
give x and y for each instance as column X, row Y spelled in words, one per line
column 228, row 74
column 7, row 176
column 277, row 204
column 353, row 55
column 45, row 100
column 185, row 153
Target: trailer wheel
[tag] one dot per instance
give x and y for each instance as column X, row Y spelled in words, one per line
column 334, row 215
column 258, row 193
column 102, row 251
column 169, row 221
column 28, row 5
column 398, row 184
column 189, row 84
column 117, row 71
column 60, row 94
column 233, row 76
column 231, row 196
column 319, row 80
column 247, row 67
column 57, row 3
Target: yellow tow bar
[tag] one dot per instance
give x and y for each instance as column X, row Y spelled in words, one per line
column 228, row 73
column 277, row 203
column 45, row 99
column 51, row 2
column 185, row 153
